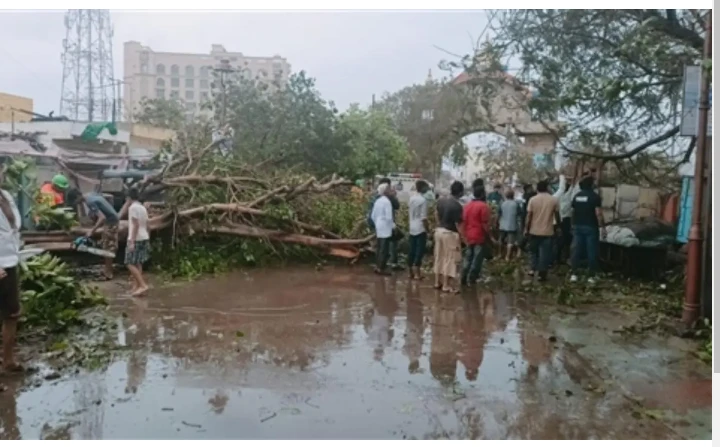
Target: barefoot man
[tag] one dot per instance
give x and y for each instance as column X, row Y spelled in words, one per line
column 138, row 245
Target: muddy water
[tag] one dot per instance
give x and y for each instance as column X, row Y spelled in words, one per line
column 325, row 354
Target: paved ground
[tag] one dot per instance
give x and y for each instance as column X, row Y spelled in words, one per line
column 343, row 354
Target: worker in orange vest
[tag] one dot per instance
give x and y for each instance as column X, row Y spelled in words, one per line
column 53, row 193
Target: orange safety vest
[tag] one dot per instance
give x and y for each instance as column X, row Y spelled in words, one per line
column 52, row 197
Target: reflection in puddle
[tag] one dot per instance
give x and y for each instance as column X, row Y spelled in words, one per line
column 335, row 354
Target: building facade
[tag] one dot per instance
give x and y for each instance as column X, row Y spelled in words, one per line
column 187, row 77
column 14, row 108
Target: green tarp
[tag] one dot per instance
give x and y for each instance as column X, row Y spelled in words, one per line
column 92, row 130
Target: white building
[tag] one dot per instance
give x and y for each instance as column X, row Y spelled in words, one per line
column 187, row 76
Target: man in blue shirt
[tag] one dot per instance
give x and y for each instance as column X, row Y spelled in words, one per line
column 104, row 215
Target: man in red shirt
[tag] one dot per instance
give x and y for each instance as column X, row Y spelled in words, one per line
column 476, row 220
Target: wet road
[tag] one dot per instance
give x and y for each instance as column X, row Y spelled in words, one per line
column 332, row 354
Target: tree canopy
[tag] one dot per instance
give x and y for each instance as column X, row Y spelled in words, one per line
column 431, row 117
column 613, row 76
column 165, row 113
column 290, row 124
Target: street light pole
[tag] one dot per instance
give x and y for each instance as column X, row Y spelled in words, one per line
column 691, row 306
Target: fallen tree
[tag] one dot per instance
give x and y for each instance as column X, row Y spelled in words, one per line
column 210, row 193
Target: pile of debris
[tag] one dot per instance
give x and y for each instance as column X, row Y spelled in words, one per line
column 205, row 191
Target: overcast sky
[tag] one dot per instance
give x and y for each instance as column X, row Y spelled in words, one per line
column 351, row 54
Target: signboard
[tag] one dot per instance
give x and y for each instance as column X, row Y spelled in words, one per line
column 691, row 102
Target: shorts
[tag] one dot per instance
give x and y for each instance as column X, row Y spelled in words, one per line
column 10, row 294
column 448, row 252
column 508, row 237
column 140, row 255
column 109, row 238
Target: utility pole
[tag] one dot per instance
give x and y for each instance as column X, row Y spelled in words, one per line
column 691, row 306
column 117, row 99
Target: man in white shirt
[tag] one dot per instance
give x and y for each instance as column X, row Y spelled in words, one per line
column 565, row 193
column 418, row 208
column 9, row 278
column 382, row 217
column 138, row 245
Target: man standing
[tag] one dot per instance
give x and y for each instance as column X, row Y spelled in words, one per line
column 382, row 218
column 528, row 193
column 418, row 207
column 566, row 195
column 9, row 278
column 496, row 196
column 508, row 215
column 105, row 215
column 587, row 219
column 476, row 223
column 449, row 216
column 542, row 212
column 395, row 206
column 138, row 245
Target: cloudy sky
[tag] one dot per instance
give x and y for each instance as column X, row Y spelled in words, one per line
column 353, row 55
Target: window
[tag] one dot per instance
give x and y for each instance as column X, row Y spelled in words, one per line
column 189, row 95
column 175, row 70
column 174, row 94
column 160, row 93
column 160, row 69
column 143, row 67
column 189, row 71
column 189, row 83
column 175, row 82
column 204, row 72
column 190, row 106
column 160, row 82
column 204, row 83
column 204, row 96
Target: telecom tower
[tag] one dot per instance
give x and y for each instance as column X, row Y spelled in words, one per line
column 87, row 83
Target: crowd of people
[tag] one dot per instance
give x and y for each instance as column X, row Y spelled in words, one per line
column 551, row 227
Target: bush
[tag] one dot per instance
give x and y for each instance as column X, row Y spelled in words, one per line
column 51, row 297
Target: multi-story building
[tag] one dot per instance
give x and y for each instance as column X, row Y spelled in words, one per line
column 187, row 76
column 15, row 108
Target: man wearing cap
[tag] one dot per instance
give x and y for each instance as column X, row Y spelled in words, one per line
column 53, row 193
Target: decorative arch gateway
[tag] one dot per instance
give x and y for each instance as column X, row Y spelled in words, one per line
column 496, row 101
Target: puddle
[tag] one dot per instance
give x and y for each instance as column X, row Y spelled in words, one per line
column 335, row 354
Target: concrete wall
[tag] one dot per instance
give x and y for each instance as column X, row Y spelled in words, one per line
column 9, row 102
column 624, row 202
column 187, row 76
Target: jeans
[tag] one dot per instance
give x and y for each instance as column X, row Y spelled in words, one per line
column 472, row 263
column 565, row 239
column 586, row 240
column 540, row 254
column 417, row 249
column 383, row 252
column 393, row 252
